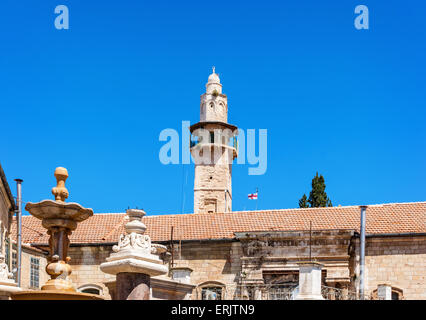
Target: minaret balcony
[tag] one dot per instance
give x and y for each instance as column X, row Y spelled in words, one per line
column 211, row 125
column 196, row 145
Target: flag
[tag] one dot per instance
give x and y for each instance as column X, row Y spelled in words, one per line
column 252, row 196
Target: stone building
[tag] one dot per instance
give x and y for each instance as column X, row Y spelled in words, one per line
column 254, row 254
column 7, row 210
column 220, row 254
column 33, row 260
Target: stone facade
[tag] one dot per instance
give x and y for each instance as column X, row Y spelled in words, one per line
column 214, row 264
column 88, row 277
column 214, row 107
column 86, row 273
column 398, row 261
column 258, row 259
column 212, row 187
column 267, row 256
column 7, row 207
column 29, row 255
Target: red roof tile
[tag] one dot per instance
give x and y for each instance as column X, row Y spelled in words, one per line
column 104, row 228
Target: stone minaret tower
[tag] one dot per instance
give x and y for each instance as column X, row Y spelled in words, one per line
column 212, row 152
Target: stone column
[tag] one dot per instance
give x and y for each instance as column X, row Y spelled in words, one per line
column 384, row 291
column 135, row 260
column 133, row 286
column 345, row 291
column 257, row 293
column 310, row 281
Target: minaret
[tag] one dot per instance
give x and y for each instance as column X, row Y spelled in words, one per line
column 211, row 151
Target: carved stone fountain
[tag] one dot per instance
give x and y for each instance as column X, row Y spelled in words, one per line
column 60, row 219
column 135, row 259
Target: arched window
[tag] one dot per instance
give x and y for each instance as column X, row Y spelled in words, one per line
column 397, row 294
column 211, row 290
column 91, row 288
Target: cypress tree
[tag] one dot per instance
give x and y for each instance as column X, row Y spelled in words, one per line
column 303, row 202
column 317, row 197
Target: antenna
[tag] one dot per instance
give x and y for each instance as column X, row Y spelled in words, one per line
column 171, row 243
column 257, row 198
column 310, row 240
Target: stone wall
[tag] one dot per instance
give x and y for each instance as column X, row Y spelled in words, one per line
column 27, row 254
column 214, row 108
column 5, row 221
column 85, row 262
column 210, row 183
column 398, row 261
column 213, row 264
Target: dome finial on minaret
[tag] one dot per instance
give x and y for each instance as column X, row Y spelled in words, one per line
column 213, row 78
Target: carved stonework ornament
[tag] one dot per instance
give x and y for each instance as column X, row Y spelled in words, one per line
column 60, row 192
column 134, row 251
column 4, row 270
column 135, row 239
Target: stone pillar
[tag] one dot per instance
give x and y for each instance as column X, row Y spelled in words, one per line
column 310, row 281
column 181, row 274
column 133, row 286
column 257, row 293
column 134, row 260
column 384, row 292
column 345, row 291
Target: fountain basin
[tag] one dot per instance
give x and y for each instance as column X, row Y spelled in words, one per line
column 49, row 209
column 54, row 295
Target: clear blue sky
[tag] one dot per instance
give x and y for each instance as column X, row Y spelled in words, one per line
column 347, row 103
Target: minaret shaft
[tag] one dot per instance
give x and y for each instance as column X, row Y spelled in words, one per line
column 212, row 153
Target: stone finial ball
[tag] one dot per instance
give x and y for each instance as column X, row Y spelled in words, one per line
column 62, row 172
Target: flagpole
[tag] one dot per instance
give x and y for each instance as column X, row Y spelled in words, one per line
column 257, row 198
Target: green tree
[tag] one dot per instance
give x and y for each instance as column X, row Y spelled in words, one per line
column 303, row 202
column 317, row 197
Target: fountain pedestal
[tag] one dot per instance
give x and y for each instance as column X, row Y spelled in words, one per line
column 134, row 260
column 310, row 281
column 60, row 219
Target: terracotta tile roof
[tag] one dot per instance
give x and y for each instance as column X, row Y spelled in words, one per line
column 382, row 218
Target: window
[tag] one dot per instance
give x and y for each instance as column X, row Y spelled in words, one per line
column 211, row 290
column 14, row 263
column 34, row 272
column 211, row 293
column 91, row 288
column 397, row 294
column 210, row 205
column 7, row 253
